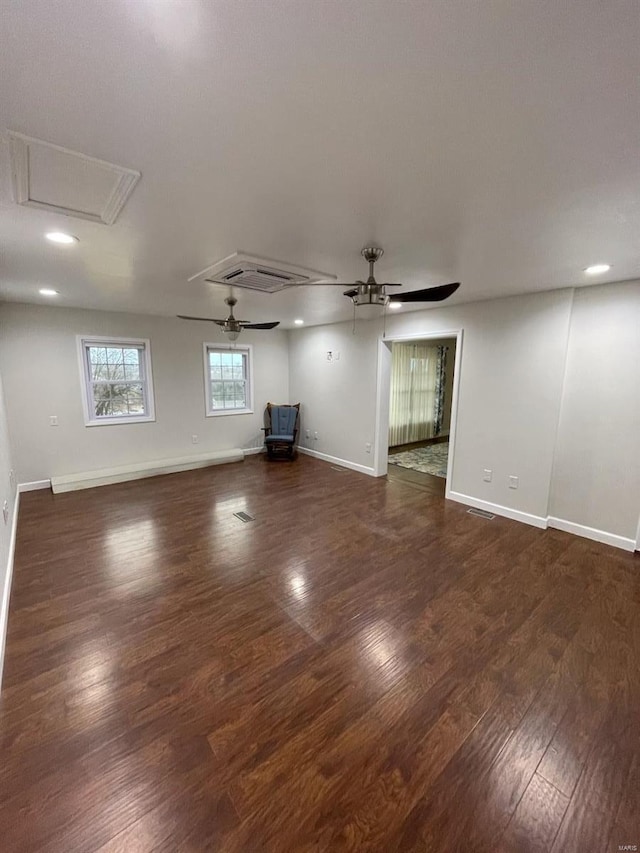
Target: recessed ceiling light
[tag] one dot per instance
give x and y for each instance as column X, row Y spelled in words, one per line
column 61, row 237
column 47, row 291
column 299, row 322
column 598, row 269
column 395, row 305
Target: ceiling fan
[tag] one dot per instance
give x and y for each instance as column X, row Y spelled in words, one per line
column 369, row 292
column 232, row 327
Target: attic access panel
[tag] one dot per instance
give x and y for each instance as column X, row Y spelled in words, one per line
column 49, row 177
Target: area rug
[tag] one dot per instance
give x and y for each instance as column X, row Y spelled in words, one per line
column 431, row 459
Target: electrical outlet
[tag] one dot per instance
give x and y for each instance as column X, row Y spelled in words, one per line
column 307, row 433
column 53, row 420
column 5, row 512
column 315, row 436
column 488, row 474
column 329, row 356
column 194, row 439
column 367, row 447
column 513, row 482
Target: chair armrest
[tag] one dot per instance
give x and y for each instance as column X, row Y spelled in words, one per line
column 266, row 430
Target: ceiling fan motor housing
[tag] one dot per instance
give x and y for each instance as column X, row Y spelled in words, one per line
column 371, row 294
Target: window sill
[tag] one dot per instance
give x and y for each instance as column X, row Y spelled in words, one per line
column 226, row 412
column 119, row 421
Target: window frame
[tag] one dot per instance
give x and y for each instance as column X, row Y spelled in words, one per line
column 247, row 349
column 144, row 344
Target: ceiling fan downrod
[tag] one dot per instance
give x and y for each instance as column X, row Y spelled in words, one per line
column 370, row 292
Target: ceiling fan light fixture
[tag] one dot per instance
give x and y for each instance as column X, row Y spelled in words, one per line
column 232, row 334
column 395, row 305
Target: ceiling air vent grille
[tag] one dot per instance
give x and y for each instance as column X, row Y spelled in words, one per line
column 257, row 278
column 247, row 271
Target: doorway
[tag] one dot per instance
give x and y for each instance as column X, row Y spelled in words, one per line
column 420, row 411
column 416, row 409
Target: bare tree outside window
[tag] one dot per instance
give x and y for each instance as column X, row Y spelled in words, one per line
column 117, row 381
column 228, row 380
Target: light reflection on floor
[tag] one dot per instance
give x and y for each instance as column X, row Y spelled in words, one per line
column 131, row 551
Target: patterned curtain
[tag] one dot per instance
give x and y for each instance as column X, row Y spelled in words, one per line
column 441, row 372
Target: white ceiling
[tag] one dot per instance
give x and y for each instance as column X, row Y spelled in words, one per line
column 496, row 143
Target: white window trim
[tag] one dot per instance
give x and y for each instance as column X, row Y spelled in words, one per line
column 95, row 340
column 221, row 413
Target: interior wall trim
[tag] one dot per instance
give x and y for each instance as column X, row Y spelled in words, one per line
column 497, row 509
column 6, row 592
column 34, row 485
column 592, row 533
column 344, row 463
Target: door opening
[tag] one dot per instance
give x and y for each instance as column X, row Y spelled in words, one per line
column 420, row 411
column 417, row 407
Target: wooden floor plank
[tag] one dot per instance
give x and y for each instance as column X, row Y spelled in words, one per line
column 535, row 821
column 364, row 667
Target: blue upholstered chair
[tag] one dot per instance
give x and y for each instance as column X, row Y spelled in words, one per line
column 281, row 430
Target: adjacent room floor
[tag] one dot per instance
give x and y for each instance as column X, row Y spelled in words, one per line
column 422, row 463
column 363, row 667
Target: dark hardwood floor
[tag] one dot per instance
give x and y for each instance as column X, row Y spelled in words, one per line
column 435, row 486
column 364, row 667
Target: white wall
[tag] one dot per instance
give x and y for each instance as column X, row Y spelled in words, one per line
column 7, row 488
column 8, row 494
column 513, row 355
column 337, row 397
column 38, row 357
column 571, row 436
column 596, row 478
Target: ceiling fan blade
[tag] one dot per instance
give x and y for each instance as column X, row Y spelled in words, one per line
column 323, row 284
column 430, row 294
column 204, row 319
column 260, row 325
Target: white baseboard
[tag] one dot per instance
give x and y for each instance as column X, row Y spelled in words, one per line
column 34, row 485
column 497, row 509
column 334, row 460
column 543, row 523
column 591, row 533
column 251, row 451
column 6, row 592
column 138, row 471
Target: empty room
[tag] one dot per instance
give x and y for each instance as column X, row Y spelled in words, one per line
column 319, row 426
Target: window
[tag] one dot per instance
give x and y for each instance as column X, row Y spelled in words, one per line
column 227, row 373
column 117, row 381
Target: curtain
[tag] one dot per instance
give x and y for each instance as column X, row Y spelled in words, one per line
column 414, row 374
column 441, row 376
